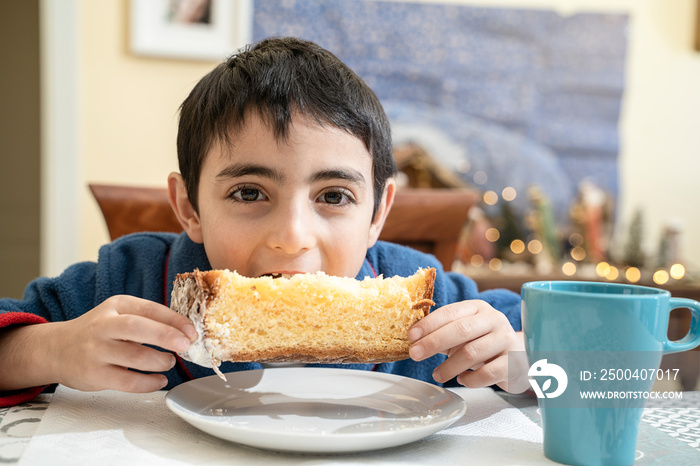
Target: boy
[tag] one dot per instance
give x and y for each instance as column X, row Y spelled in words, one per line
column 286, row 167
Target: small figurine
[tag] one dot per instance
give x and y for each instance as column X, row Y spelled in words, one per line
column 591, row 212
column 542, row 223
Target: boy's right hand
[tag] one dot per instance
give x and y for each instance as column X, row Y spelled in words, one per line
column 96, row 350
column 100, row 346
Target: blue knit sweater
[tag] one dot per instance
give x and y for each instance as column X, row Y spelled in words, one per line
column 145, row 265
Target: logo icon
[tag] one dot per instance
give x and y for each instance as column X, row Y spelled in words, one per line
column 542, row 368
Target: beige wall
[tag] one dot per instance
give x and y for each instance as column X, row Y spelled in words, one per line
column 129, row 112
column 661, row 122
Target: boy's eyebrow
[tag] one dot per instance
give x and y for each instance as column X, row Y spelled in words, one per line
column 239, row 170
column 347, row 174
column 246, row 169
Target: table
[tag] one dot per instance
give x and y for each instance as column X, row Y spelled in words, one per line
column 109, row 427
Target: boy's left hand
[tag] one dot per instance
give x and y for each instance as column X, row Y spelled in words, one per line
column 474, row 336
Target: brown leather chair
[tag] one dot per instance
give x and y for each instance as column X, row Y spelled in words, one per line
column 429, row 220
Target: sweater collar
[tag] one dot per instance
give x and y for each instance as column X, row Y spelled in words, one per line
column 366, row 271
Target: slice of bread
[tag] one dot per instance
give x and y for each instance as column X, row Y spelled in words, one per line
column 307, row 318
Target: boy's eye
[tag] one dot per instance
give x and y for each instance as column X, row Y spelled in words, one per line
column 248, row 195
column 336, row 198
column 333, row 198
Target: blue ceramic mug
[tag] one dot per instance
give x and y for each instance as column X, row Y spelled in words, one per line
column 595, row 350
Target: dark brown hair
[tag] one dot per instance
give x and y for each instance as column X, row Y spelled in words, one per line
column 278, row 77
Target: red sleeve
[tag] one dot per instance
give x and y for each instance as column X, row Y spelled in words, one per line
column 12, row 318
column 19, row 396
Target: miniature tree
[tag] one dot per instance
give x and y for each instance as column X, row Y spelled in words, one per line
column 510, row 228
column 633, row 255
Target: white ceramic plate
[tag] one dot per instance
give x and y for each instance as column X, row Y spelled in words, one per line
column 316, row 410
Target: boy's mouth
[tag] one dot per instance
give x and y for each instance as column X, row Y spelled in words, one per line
column 279, row 275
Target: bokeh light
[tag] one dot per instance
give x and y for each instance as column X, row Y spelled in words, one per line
column 509, row 194
column 492, row 234
column 677, row 271
column 517, row 246
column 464, row 166
column 602, row 269
column 490, row 198
column 569, row 268
column 477, row 260
column 660, row 277
column 480, row 177
column 612, row 273
column 633, row 274
column 495, row 264
column 578, row 253
column 534, row 246
column 575, row 239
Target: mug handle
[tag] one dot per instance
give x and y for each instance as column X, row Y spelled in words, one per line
column 692, row 338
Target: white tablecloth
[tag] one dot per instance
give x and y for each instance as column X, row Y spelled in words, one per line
column 117, row 428
column 72, row 427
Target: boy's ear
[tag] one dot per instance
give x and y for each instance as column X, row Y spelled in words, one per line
column 382, row 212
column 180, row 203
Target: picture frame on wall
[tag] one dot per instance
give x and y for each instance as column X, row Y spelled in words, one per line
column 208, row 30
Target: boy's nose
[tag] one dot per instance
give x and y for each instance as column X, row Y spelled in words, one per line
column 293, row 229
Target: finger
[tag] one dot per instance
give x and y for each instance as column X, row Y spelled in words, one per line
column 517, row 380
column 468, row 356
column 135, row 356
column 140, row 329
column 119, row 378
column 157, row 312
column 442, row 316
column 491, row 373
column 451, row 335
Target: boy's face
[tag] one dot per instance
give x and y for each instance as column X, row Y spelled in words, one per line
column 274, row 206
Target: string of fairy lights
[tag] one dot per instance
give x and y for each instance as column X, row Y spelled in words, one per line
column 575, row 259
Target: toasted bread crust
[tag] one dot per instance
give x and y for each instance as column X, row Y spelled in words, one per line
column 218, row 301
